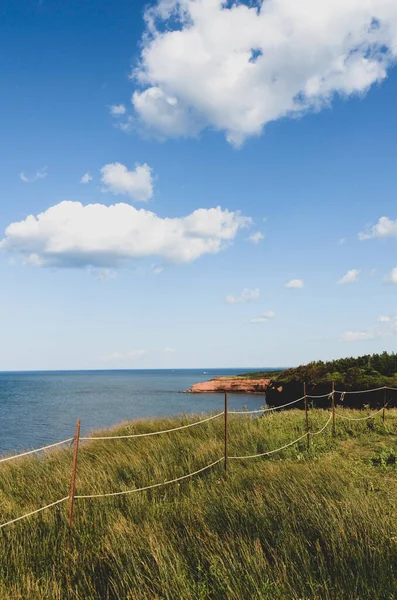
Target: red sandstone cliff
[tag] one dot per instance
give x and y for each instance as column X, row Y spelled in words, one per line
column 230, row 384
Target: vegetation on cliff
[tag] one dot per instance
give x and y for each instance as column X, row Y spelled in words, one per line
column 298, row 524
column 364, row 372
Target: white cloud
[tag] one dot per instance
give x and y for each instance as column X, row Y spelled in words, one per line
column 70, row 234
column 246, row 295
column 168, row 350
column 256, row 237
column 294, row 284
column 117, row 109
column 137, row 183
column 119, row 356
column 106, row 274
column 342, row 241
column 128, row 125
column 392, row 276
column 350, row 277
column 263, row 318
column 40, row 174
column 384, row 228
column 86, row 178
column 235, row 67
column 386, row 328
column 164, row 114
column 357, row 336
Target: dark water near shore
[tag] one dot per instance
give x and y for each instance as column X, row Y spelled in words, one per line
column 37, row 408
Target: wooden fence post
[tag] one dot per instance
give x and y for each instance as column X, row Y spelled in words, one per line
column 306, row 417
column 226, row 432
column 73, row 482
column 384, row 404
column 333, row 409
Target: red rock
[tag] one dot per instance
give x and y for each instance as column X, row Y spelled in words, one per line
column 230, row 384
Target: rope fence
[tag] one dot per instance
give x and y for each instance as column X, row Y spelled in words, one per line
column 150, row 487
column 34, row 512
column 286, row 445
column 358, row 418
column 384, row 387
column 76, row 439
column 37, row 450
column 265, row 410
column 137, row 435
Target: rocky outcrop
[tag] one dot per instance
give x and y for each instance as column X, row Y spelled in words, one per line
column 277, row 394
column 233, row 385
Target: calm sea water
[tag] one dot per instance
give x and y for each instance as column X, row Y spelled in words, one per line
column 38, row 408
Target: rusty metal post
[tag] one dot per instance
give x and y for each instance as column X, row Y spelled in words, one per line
column 73, row 482
column 306, row 417
column 333, row 409
column 226, row 432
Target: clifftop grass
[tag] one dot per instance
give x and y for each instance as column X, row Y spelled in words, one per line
column 296, row 525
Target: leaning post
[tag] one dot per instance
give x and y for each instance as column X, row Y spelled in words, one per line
column 226, row 432
column 73, row 482
column 333, row 409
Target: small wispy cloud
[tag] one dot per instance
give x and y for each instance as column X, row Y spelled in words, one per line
column 350, row 277
column 387, row 327
column 116, row 110
column 384, row 319
column 40, row 174
column 356, row 336
column 342, row 241
column 128, row 125
column 106, row 274
column 169, row 350
column 263, row 318
column 246, row 295
column 392, row 276
column 157, row 269
column 294, row 284
column 86, row 178
column 256, row 237
column 130, row 355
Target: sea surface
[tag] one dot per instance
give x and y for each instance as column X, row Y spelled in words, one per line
column 38, row 408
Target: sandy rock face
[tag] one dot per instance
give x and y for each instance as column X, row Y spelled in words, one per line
column 230, row 384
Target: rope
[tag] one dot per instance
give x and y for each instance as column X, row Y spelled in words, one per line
column 264, row 410
column 286, row 445
column 359, row 418
column 321, row 396
column 272, row 451
column 325, row 426
column 34, row 512
column 38, row 450
column 136, row 435
column 149, row 487
column 362, row 391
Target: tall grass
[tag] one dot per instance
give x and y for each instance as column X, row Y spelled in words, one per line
column 296, row 525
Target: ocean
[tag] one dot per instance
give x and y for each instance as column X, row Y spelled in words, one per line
column 38, row 408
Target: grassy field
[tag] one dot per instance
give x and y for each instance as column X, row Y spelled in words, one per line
column 295, row 525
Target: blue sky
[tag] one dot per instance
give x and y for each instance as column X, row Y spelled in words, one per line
column 295, row 141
